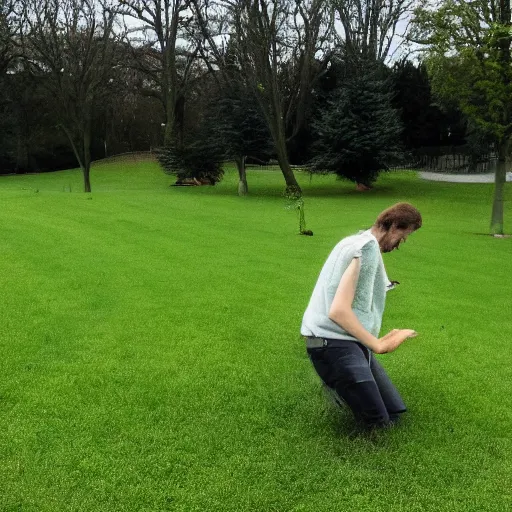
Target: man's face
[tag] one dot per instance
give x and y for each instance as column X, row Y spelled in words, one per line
column 393, row 238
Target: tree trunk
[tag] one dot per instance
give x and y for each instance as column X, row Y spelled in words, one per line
column 170, row 84
column 276, row 127
column 243, row 189
column 21, row 130
column 179, row 120
column 87, row 180
column 22, row 160
column 277, row 132
column 84, row 165
column 499, row 186
column 503, row 145
column 292, row 186
column 174, row 115
column 86, row 168
column 169, row 121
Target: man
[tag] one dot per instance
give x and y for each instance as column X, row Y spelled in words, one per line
column 343, row 319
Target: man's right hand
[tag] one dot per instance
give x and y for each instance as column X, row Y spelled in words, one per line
column 393, row 339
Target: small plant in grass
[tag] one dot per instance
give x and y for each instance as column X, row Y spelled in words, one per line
column 295, row 201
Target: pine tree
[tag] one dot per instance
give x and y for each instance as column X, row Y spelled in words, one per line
column 358, row 132
column 199, row 159
column 240, row 129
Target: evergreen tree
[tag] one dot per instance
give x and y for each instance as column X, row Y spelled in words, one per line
column 199, row 159
column 358, row 132
column 240, row 129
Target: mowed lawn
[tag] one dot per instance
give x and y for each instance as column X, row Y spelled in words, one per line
column 150, row 356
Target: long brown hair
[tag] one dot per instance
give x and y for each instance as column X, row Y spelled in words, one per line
column 400, row 215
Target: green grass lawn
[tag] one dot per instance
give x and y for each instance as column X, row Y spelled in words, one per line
column 151, row 357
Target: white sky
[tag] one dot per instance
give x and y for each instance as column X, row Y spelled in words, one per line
column 397, row 48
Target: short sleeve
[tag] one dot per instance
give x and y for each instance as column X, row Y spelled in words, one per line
column 338, row 267
column 369, row 256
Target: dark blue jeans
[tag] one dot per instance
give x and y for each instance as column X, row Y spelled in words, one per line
column 353, row 372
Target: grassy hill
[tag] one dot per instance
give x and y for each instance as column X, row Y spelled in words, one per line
column 151, row 357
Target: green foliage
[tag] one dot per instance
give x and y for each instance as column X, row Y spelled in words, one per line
column 476, row 86
column 358, row 133
column 200, row 158
column 295, row 201
column 238, row 124
column 230, row 127
column 468, row 59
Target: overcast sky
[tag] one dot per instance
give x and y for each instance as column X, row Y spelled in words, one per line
column 397, row 49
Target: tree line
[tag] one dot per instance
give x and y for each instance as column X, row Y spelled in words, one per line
column 302, row 82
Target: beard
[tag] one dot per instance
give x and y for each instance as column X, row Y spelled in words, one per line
column 388, row 244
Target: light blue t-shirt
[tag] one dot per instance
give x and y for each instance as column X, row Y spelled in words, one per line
column 370, row 295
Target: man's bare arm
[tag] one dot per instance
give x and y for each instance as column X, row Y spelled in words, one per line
column 341, row 313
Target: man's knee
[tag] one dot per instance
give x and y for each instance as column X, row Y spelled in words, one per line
column 365, row 401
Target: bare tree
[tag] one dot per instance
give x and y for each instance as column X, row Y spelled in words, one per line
column 281, row 48
column 8, row 26
column 311, row 43
column 7, row 54
column 162, row 54
column 236, row 118
column 370, row 26
column 210, row 29
column 69, row 45
column 260, row 36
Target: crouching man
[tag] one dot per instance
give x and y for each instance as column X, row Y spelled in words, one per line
column 342, row 322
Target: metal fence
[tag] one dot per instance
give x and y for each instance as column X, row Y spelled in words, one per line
column 135, row 156
column 451, row 161
column 442, row 160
